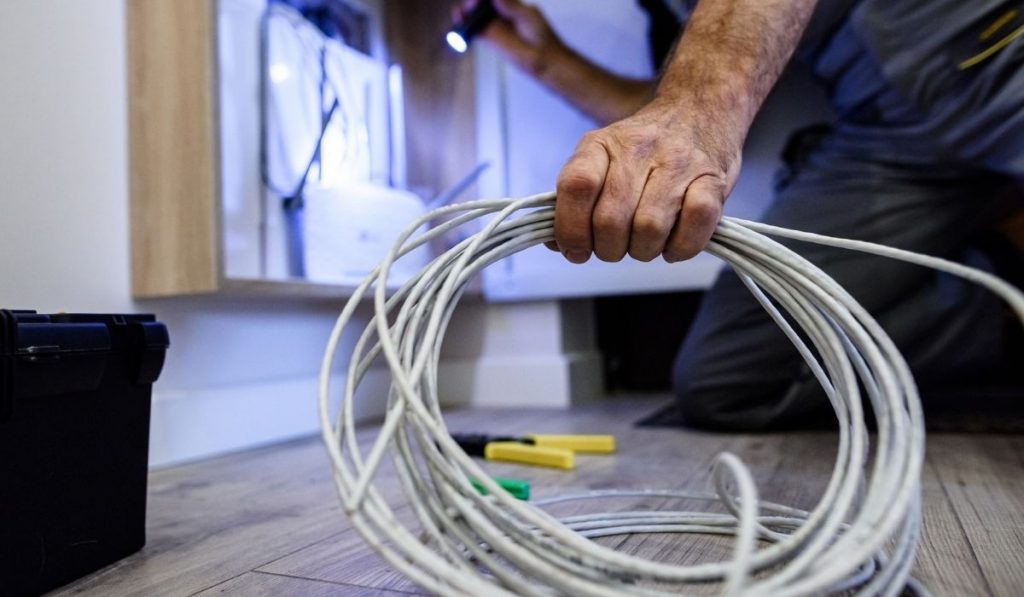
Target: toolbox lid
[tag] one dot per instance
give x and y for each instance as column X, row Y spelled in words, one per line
column 43, row 355
column 30, row 334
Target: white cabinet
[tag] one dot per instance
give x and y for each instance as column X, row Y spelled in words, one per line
column 202, row 221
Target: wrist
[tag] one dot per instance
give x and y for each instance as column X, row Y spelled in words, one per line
column 722, row 104
column 719, row 94
column 555, row 63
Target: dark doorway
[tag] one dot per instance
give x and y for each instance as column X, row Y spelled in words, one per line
column 639, row 336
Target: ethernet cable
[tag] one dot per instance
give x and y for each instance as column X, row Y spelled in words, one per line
column 860, row 538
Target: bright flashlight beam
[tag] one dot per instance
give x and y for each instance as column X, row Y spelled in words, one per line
column 456, row 42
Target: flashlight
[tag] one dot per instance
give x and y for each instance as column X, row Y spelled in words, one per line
column 474, row 22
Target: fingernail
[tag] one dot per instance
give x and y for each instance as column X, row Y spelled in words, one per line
column 576, row 256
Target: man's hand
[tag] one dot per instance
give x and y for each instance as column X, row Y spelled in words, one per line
column 652, row 184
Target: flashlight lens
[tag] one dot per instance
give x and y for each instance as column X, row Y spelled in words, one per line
column 456, row 42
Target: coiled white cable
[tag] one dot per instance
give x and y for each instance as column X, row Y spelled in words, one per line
column 861, row 536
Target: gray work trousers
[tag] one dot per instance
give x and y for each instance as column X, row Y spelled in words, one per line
column 926, row 183
column 737, row 370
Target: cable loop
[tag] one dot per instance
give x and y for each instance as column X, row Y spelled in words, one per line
column 861, row 536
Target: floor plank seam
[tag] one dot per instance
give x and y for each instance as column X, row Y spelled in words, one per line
column 215, row 585
column 331, row 537
column 337, row 583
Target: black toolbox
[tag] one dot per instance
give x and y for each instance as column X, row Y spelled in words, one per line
column 75, row 396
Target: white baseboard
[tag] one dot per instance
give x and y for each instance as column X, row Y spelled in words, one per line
column 194, row 424
column 191, row 424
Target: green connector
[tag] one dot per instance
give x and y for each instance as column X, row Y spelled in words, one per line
column 518, row 488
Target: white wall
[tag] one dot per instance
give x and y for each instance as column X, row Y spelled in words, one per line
column 239, row 372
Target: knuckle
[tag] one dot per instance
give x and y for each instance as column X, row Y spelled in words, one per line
column 704, row 213
column 608, row 221
column 645, row 224
column 591, row 137
column 575, row 182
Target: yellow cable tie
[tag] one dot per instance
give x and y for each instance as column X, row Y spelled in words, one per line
column 594, row 444
column 526, row 454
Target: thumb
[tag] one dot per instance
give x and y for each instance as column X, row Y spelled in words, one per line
column 462, row 8
column 513, row 10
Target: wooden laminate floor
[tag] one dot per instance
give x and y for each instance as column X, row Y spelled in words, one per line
column 267, row 522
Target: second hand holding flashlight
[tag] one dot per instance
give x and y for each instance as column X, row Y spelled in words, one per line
column 473, row 23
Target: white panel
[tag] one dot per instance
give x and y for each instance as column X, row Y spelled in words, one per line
column 241, row 189
column 356, row 146
column 351, row 228
column 528, row 133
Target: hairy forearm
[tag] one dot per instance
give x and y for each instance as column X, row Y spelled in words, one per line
column 655, row 182
column 729, row 57
column 598, row 93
